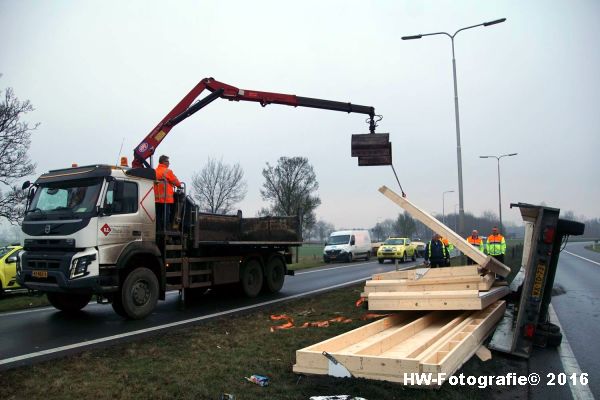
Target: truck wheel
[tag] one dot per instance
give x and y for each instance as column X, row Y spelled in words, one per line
column 139, row 293
column 69, row 303
column 117, row 305
column 414, row 256
column 251, row 278
column 368, row 256
column 381, row 260
column 274, row 275
column 403, row 259
column 349, row 257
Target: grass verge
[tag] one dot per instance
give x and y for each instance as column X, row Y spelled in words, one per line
column 206, row 360
column 21, row 300
column 594, row 247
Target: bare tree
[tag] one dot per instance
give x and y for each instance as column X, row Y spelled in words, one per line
column 289, row 186
column 14, row 160
column 323, row 229
column 219, row 186
column 405, row 225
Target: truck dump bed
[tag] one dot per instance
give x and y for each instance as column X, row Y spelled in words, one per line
column 212, row 228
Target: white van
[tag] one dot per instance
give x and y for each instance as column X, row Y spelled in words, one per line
column 347, row 245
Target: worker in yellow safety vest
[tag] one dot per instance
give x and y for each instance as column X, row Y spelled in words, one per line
column 436, row 252
column 475, row 241
column 164, row 195
column 496, row 245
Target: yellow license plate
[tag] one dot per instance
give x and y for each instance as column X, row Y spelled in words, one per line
column 39, row 274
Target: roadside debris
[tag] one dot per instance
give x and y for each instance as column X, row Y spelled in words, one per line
column 289, row 324
column 337, row 397
column 258, row 379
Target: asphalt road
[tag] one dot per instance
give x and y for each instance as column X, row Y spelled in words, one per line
column 578, row 278
column 34, row 335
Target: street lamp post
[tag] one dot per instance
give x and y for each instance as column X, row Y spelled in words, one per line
column 461, row 219
column 443, row 205
column 499, row 192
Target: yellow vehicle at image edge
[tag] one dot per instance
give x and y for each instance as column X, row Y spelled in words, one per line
column 396, row 249
column 8, row 267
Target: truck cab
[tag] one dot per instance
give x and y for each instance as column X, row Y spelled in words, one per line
column 82, row 226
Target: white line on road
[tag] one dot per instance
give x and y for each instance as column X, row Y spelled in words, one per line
column 39, row 309
column 583, row 258
column 569, row 362
column 170, row 325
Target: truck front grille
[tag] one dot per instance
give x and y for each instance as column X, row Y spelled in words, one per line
column 43, row 264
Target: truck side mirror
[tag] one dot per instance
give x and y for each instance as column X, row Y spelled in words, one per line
column 352, row 242
column 25, row 185
column 11, row 259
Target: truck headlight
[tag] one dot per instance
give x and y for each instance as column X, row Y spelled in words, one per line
column 80, row 265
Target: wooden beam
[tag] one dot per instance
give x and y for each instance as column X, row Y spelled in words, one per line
column 454, row 238
column 447, row 300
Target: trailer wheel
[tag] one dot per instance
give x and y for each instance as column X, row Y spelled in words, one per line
column 251, row 278
column 139, row 294
column 69, row 303
column 274, row 274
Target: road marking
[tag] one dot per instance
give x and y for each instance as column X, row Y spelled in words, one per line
column 345, row 266
column 583, row 258
column 170, row 325
column 569, row 362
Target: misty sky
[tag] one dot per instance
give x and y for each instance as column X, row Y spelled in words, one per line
column 100, row 73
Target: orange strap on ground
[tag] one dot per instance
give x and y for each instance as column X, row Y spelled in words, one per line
column 360, row 301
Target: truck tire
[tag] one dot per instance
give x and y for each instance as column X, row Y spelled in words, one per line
column 368, row 257
column 403, row 259
column 117, row 305
column 349, row 258
column 68, row 302
column 139, row 294
column 251, row 278
column 380, row 260
column 274, row 275
column 414, row 256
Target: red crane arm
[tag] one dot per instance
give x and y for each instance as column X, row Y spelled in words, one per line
column 185, row 108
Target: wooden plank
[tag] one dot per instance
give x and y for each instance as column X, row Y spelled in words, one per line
column 438, row 294
column 420, row 288
column 454, row 238
column 398, row 301
column 449, row 362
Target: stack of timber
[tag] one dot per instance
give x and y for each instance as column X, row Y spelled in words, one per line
column 444, row 315
column 450, row 288
column 409, row 342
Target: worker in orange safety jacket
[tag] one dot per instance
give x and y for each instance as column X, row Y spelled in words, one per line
column 164, row 195
column 477, row 242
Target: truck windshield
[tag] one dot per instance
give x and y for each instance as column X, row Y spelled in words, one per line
column 341, row 239
column 394, row 242
column 70, row 197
